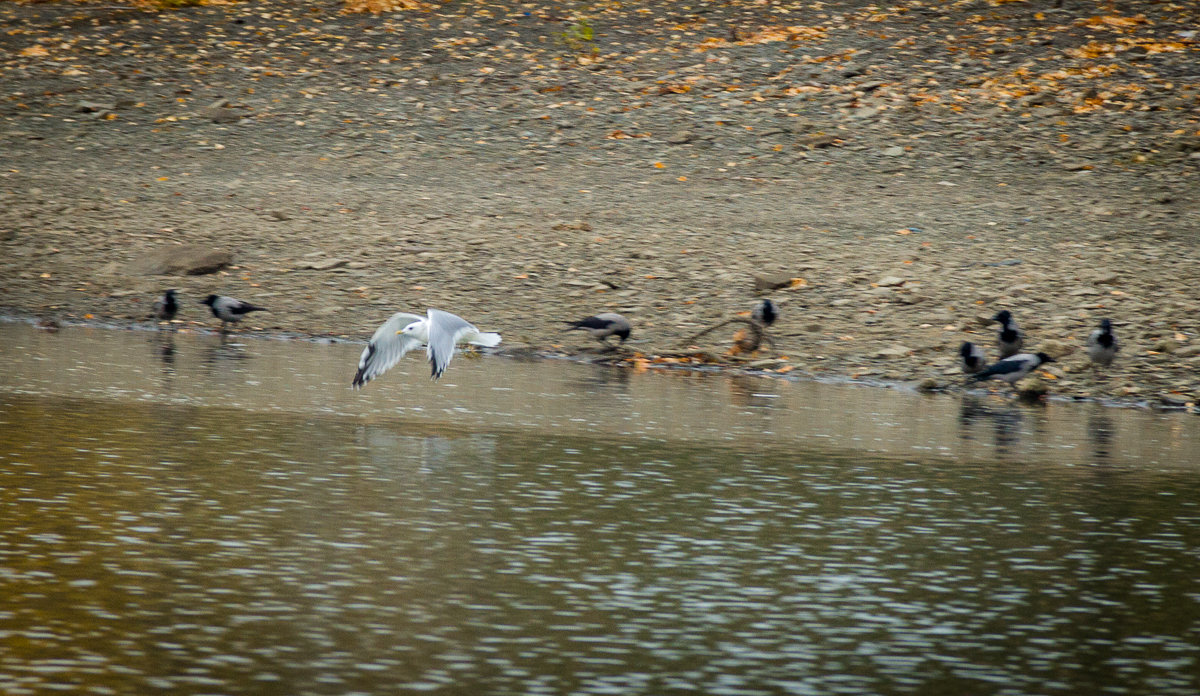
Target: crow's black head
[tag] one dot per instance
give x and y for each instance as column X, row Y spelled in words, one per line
column 209, row 300
column 1045, row 358
column 1003, row 316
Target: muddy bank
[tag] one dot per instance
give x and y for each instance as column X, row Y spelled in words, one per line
column 356, row 166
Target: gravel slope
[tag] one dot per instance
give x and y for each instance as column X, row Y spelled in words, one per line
column 918, row 169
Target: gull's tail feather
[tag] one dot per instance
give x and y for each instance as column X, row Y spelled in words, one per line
column 487, row 340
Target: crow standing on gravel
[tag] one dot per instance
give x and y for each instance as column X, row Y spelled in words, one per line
column 229, row 309
column 166, row 307
column 765, row 313
column 601, row 326
column 1102, row 345
column 972, row 357
column 1010, row 338
column 1013, row 369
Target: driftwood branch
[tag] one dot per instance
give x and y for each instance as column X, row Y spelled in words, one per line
column 758, row 331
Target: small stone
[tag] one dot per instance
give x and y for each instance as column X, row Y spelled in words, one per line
column 91, row 107
column 893, row 352
column 772, row 282
column 894, row 151
column 185, row 260
column 1174, row 400
column 1056, row 349
column 577, row 225
column 1106, row 278
column 1165, row 345
column 929, row 384
column 221, row 115
column 681, row 138
column 326, row 264
column 817, row 141
column 890, row 282
column 1188, row 351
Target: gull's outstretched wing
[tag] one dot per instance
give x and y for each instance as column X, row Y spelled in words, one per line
column 385, row 348
column 445, row 330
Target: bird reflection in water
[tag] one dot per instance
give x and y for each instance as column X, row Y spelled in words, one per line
column 611, row 381
column 1100, row 435
column 164, row 347
column 1005, row 420
column 224, row 355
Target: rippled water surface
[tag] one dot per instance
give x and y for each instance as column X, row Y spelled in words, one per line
column 186, row 515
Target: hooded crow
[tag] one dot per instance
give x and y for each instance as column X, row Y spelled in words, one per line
column 765, row 313
column 972, row 357
column 601, row 326
column 1013, row 369
column 1010, row 338
column 1102, row 345
column 229, row 309
column 438, row 331
column 166, row 307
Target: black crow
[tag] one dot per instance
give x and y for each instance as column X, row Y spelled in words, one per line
column 972, row 357
column 1010, row 338
column 765, row 313
column 601, row 326
column 229, row 309
column 1013, row 369
column 166, row 307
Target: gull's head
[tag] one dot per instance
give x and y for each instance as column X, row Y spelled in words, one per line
column 410, row 329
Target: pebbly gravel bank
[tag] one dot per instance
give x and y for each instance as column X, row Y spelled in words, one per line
column 916, row 169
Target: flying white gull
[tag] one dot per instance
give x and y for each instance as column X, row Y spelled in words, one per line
column 439, row 332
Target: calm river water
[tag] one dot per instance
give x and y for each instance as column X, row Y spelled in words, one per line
column 189, row 515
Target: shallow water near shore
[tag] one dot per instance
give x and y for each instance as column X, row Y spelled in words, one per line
column 205, row 514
